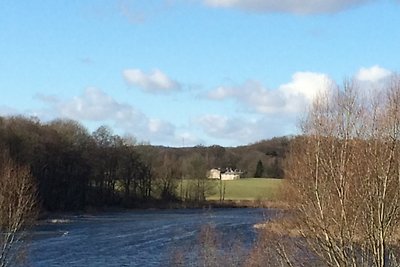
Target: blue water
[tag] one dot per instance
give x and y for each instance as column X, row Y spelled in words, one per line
column 135, row 238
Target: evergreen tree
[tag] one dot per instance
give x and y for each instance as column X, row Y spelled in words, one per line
column 259, row 170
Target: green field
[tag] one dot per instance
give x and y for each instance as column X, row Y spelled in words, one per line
column 249, row 189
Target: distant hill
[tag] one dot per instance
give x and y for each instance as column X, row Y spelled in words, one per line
column 270, row 152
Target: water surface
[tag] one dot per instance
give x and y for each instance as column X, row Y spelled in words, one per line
column 135, row 238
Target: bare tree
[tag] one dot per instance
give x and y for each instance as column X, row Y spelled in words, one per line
column 198, row 186
column 167, row 174
column 344, row 177
column 17, row 209
column 221, row 188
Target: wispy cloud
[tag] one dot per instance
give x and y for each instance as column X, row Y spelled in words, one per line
column 95, row 106
column 372, row 74
column 291, row 97
column 132, row 11
column 275, row 112
column 268, row 112
column 155, row 81
column 86, row 60
column 239, row 130
column 224, row 127
column 132, row 14
column 51, row 99
column 8, row 111
column 303, row 7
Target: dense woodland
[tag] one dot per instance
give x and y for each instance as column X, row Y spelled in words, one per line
column 75, row 169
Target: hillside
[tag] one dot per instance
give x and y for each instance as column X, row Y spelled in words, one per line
column 270, row 152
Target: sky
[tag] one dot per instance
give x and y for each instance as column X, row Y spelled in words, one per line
column 189, row 72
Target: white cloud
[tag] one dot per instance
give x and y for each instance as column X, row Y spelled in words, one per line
column 95, row 106
column 154, row 82
column 303, row 89
column 274, row 112
column 288, row 6
column 223, row 127
column 239, row 130
column 372, row 74
column 307, row 84
column 289, row 98
column 157, row 126
column 221, row 93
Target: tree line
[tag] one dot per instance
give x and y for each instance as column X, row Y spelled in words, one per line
column 74, row 169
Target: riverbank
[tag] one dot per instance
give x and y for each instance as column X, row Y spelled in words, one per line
column 162, row 205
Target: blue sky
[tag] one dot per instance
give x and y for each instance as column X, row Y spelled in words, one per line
column 175, row 72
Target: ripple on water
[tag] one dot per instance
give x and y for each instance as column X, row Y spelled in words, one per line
column 144, row 238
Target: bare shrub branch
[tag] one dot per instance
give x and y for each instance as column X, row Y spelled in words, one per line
column 344, row 177
column 17, row 209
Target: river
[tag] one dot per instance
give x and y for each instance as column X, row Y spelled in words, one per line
column 136, row 238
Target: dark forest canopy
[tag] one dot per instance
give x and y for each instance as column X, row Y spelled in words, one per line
column 75, row 169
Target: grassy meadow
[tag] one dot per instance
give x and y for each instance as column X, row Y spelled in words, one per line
column 249, row 189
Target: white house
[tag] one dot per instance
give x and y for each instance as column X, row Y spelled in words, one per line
column 231, row 175
column 214, row 174
column 227, row 174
